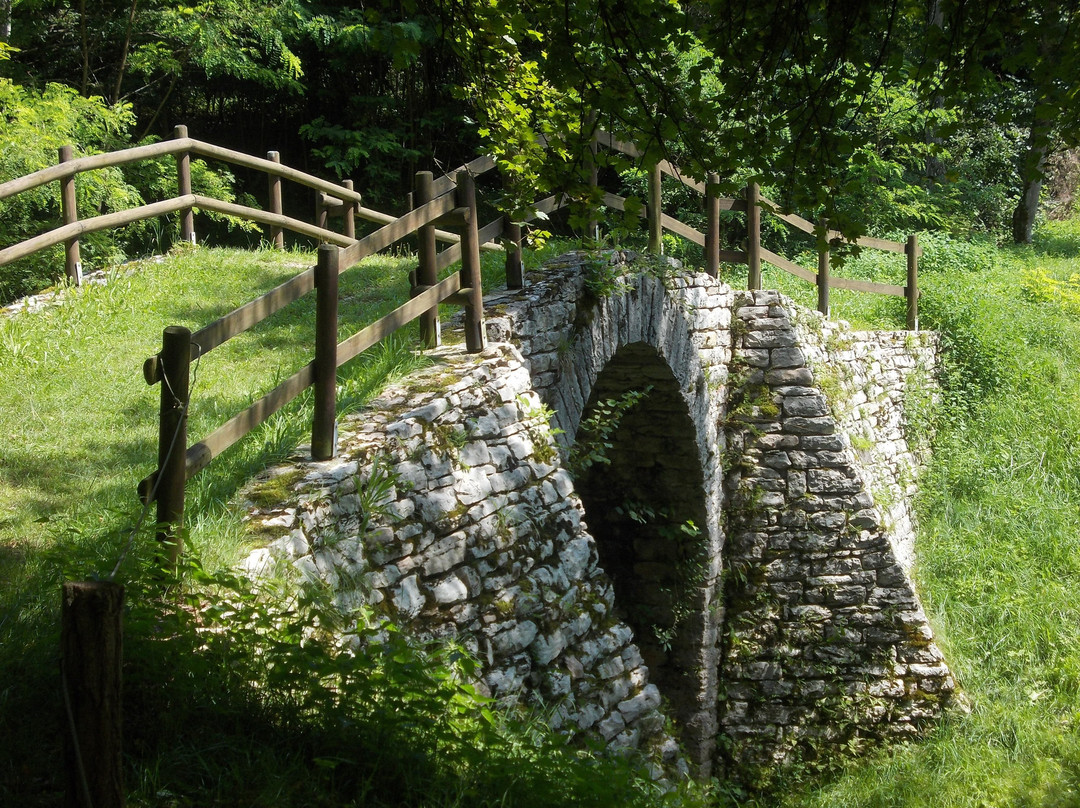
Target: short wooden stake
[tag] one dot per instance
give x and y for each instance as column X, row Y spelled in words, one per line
column 277, row 234
column 515, row 276
column 475, row 338
column 823, row 272
column 183, row 187
column 712, row 224
column 70, row 210
column 656, row 224
column 91, row 654
column 753, row 236
column 175, row 367
column 427, row 272
column 911, row 291
column 324, row 422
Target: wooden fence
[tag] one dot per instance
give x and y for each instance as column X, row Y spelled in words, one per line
column 448, row 201
column 753, row 253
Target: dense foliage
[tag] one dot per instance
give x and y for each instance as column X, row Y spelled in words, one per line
column 33, row 125
column 890, row 115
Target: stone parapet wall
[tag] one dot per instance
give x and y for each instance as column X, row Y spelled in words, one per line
column 447, row 509
column 880, row 388
column 825, row 641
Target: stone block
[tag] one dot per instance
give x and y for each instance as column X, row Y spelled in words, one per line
column 809, row 426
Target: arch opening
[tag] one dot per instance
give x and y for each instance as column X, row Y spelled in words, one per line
column 646, row 509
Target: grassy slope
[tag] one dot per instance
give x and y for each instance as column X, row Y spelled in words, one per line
column 998, row 552
column 78, row 425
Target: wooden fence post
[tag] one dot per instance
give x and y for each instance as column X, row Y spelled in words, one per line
column 322, row 212
column 712, row 225
column 515, row 277
column 593, row 226
column 471, row 282
column 324, row 423
column 911, row 291
column 183, row 187
column 91, row 653
column 349, row 211
column 823, row 272
column 753, row 236
column 70, row 210
column 656, row 225
column 427, row 273
column 277, row 235
column 175, row 374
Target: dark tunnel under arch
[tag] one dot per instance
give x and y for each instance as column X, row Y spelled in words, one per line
column 646, row 509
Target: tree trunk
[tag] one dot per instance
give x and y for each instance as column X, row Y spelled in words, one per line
column 5, row 20
column 1027, row 207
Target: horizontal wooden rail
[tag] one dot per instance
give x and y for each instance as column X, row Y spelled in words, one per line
column 396, row 230
column 834, row 282
column 276, row 169
column 164, row 149
column 263, row 217
column 879, row 244
column 252, row 313
column 619, row 203
column 805, row 226
column 684, row 230
column 733, row 256
column 199, row 455
column 76, row 229
column 402, row 315
column 673, row 171
column 605, row 138
column 790, row 266
column 93, row 161
column 867, row 286
column 487, row 234
column 445, row 183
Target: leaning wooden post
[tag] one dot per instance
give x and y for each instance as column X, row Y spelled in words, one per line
column 70, row 210
column 183, row 187
column 593, row 226
column 322, row 211
column 349, row 211
column 753, row 236
column 656, row 224
column 277, row 235
column 91, row 654
column 471, row 283
column 324, row 423
column 515, row 276
column 712, row 224
column 427, row 273
column 175, row 375
column 823, row 271
column 911, row 291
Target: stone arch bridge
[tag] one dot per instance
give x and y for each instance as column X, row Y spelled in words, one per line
column 727, row 590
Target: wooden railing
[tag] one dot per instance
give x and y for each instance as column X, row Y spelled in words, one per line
column 753, row 253
column 185, row 202
column 446, row 201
